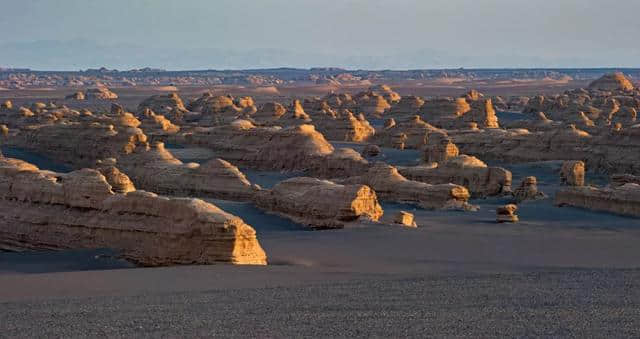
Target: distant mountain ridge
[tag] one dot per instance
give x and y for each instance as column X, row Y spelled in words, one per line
column 82, row 54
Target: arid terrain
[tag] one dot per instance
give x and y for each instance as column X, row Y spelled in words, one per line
column 320, row 202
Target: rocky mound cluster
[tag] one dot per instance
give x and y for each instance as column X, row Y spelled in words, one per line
column 117, row 153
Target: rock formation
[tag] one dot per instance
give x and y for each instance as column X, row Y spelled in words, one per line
column 217, row 110
column 411, row 133
column 46, row 210
column 612, row 82
column 342, row 125
column 100, row 93
column 405, row 219
column 386, row 92
column 440, row 149
column 371, row 151
column 572, row 173
column 169, row 105
column 372, row 104
column 155, row 123
column 528, row 190
column 269, row 113
column 407, row 106
column 624, row 200
column 152, row 167
column 618, row 180
column 392, row 186
column 611, row 151
column 506, row 213
column 320, row 203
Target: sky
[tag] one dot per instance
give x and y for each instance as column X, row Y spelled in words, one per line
column 394, row 34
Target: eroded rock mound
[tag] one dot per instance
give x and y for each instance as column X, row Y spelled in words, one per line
column 624, row 200
column 528, row 190
column 170, row 105
column 100, row 93
column 507, row 213
column 151, row 166
column 572, row 173
column 611, row 82
column 46, row 210
column 320, row 203
column 390, row 185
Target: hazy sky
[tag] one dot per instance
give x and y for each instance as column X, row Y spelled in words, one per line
column 540, row 32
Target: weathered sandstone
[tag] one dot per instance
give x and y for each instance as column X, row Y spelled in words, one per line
column 507, row 213
column 392, row 186
column 464, row 170
column 46, row 210
column 320, row 203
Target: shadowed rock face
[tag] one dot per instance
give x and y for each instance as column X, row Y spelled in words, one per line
column 320, row 203
column 507, row 213
column 624, row 200
column 342, row 125
column 572, row 173
column 47, row 210
column 416, row 133
column 468, row 171
column 392, row 186
column 528, row 190
column 170, row 105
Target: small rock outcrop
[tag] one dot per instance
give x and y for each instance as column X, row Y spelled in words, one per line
column 623, row 200
column 405, row 219
column 100, row 93
column 170, row 105
column 464, row 170
column 572, row 173
column 528, row 190
column 371, row 151
column 507, row 213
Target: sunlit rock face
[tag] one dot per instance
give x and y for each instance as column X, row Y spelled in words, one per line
column 85, row 143
column 82, row 209
column 320, row 203
column 100, row 93
column 390, row 185
column 611, row 82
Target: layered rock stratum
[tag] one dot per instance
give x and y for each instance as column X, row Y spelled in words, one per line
column 47, row 210
column 320, row 203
